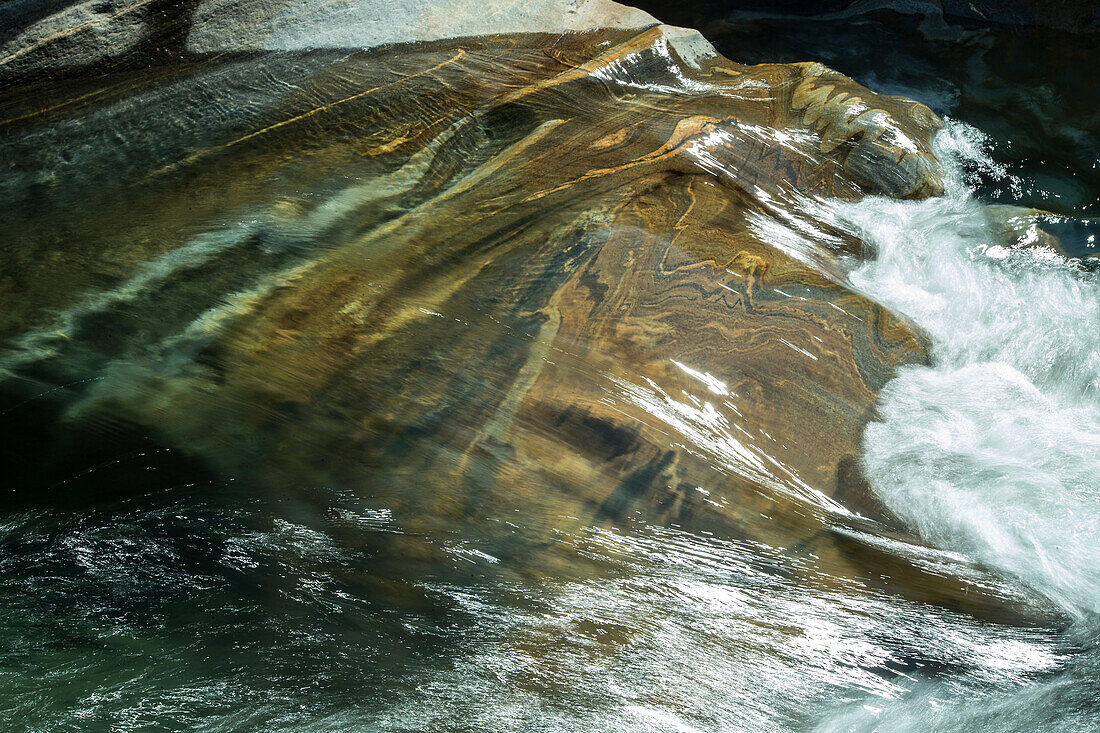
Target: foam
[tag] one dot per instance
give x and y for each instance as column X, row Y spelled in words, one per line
column 992, row 450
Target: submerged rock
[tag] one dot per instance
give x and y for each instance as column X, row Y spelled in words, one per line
column 1026, row 228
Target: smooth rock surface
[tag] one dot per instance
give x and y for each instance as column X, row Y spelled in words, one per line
column 287, row 25
column 61, row 36
column 475, row 277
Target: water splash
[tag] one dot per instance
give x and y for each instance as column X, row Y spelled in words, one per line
column 992, row 450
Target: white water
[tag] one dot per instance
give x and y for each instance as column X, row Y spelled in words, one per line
column 993, row 451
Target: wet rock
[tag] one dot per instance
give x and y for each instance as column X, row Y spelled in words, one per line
column 543, row 275
column 881, row 155
column 77, row 36
column 89, row 37
column 1026, row 228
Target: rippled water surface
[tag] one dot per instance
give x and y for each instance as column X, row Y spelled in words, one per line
column 239, row 568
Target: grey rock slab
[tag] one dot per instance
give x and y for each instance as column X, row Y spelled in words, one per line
column 287, row 25
column 58, row 37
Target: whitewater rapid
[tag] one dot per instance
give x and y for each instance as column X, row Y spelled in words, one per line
column 993, row 450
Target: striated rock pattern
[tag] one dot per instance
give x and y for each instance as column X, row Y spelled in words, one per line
column 506, row 287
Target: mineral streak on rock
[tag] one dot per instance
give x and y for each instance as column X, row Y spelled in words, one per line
column 504, row 280
column 885, row 157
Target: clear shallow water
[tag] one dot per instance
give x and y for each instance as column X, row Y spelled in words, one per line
column 179, row 611
column 140, row 592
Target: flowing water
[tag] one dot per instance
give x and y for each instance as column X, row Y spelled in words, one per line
column 991, row 450
column 144, row 590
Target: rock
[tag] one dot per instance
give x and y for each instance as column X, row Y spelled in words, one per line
column 80, row 35
column 569, row 278
column 53, row 36
column 230, row 25
column 93, row 36
column 884, row 158
column 1027, row 228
